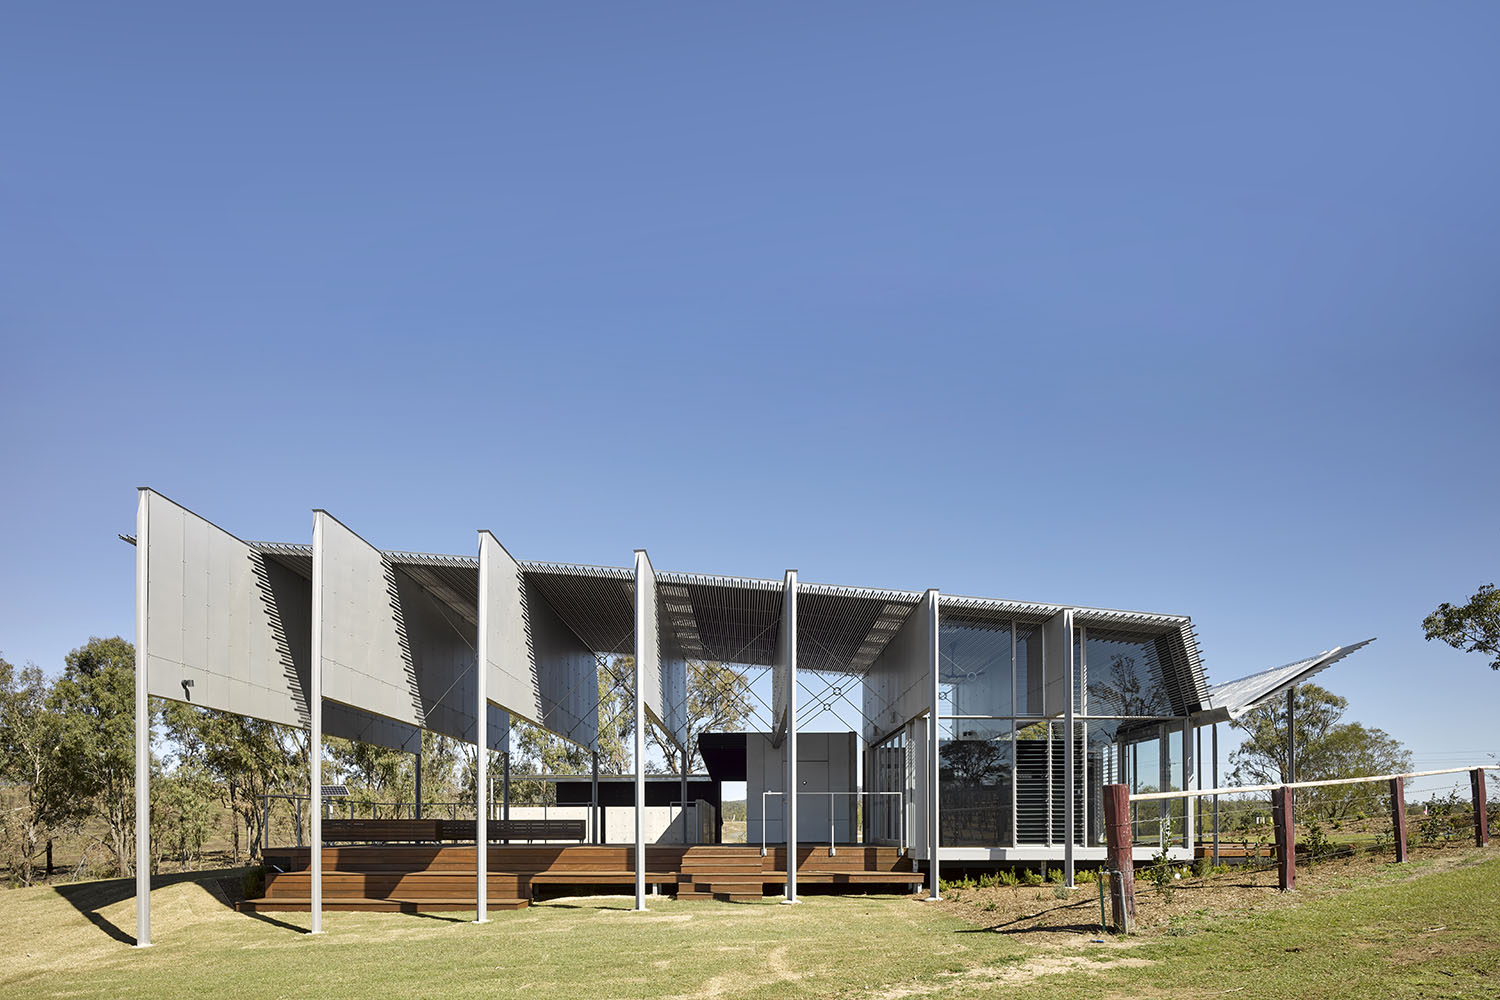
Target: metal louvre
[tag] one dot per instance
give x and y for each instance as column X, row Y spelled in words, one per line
column 596, row 602
column 723, row 619
column 845, row 629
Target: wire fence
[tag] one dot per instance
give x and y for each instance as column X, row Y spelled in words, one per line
column 1306, row 822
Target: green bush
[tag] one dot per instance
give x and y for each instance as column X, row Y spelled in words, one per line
column 1031, row 876
column 1054, row 875
column 1009, row 877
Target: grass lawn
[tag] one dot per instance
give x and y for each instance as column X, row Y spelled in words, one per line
column 1424, row 929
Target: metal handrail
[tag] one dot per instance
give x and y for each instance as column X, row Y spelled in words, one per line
column 900, row 811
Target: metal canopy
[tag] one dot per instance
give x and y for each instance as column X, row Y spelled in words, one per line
column 1232, row 699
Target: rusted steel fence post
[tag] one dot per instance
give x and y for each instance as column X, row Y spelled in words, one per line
column 1118, row 834
column 1286, row 837
column 1398, row 816
column 1481, row 819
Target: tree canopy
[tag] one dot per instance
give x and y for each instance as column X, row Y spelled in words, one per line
column 1473, row 627
column 1326, row 748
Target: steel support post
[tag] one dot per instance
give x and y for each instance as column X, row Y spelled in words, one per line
column 1398, row 818
column 789, row 807
column 1070, row 808
column 684, row 795
column 1189, row 769
column 481, row 747
column 1481, row 817
column 640, row 732
column 1291, row 734
column 315, row 735
column 1286, row 837
column 1121, row 855
column 596, row 816
column 934, row 738
column 142, row 729
column 417, row 805
column 1215, row 745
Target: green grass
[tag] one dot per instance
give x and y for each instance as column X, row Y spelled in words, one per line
column 1413, row 932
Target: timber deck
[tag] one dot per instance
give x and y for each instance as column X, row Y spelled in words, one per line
column 424, row 878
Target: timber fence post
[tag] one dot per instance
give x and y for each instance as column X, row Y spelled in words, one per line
column 1398, row 817
column 1118, row 833
column 1481, row 819
column 1286, row 837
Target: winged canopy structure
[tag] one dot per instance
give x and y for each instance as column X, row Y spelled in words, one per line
column 987, row 727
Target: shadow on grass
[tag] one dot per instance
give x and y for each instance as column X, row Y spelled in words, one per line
column 88, row 898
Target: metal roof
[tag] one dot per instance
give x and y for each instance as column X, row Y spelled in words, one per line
column 1233, row 699
column 735, row 619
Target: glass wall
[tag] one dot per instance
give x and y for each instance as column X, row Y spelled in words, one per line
column 1002, row 763
column 975, row 773
column 889, row 777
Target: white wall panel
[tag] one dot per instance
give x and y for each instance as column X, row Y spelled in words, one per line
column 391, row 647
column 538, row 668
column 237, row 624
column 897, row 686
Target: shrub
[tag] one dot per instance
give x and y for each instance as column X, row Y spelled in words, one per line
column 1054, row 875
column 1009, row 877
column 1031, row 876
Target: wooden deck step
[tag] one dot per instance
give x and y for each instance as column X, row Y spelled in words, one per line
column 294, row 904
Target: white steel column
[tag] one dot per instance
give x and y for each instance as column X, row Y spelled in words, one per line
column 1070, row 810
column 934, row 730
column 315, row 733
column 1214, row 740
column 482, row 748
column 640, row 733
column 142, row 732
column 1189, row 768
column 789, row 810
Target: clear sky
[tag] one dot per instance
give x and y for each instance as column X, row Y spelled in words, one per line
column 1169, row 307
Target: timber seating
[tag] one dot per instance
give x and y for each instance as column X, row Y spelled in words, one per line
column 407, row 877
column 422, row 830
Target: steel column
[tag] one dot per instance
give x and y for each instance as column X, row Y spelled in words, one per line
column 789, row 810
column 142, row 730
column 596, row 817
column 1291, row 734
column 1215, row 743
column 417, row 805
column 1189, row 769
column 481, row 748
column 1070, row 810
column 315, row 733
column 934, row 736
column 640, row 733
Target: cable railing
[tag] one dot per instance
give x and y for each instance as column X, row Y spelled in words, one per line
column 833, row 816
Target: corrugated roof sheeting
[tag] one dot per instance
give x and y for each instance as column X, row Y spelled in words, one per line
column 1238, row 696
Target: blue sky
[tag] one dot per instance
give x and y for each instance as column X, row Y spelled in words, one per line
column 1152, row 306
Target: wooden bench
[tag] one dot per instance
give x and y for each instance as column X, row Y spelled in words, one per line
column 422, row 830
column 516, row 829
